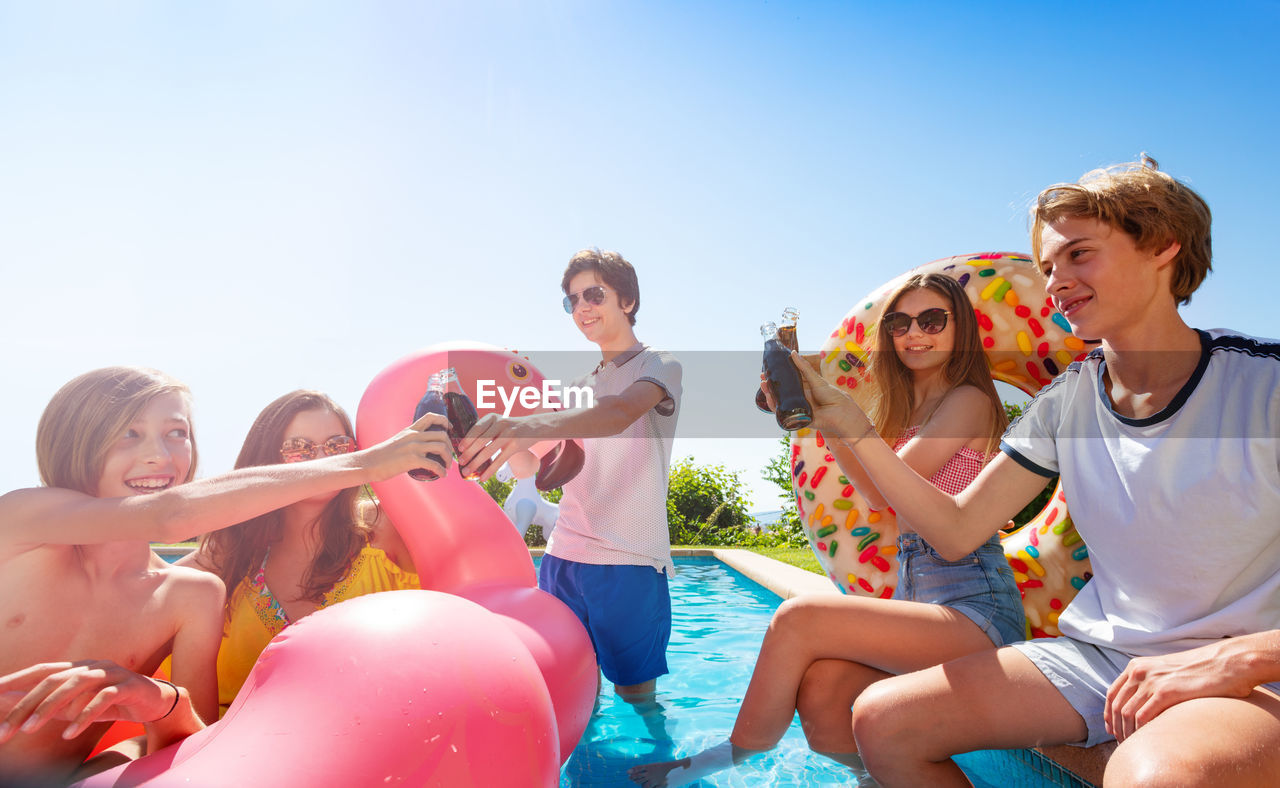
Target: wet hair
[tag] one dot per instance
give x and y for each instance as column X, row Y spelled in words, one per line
column 89, row 414
column 236, row 552
column 1150, row 206
column 614, row 270
column 894, row 399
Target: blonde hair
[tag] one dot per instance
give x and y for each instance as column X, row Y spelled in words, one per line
column 894, row 398
column 1148, row 205
column 87, row 415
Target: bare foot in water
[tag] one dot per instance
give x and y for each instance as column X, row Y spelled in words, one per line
column 654, row 775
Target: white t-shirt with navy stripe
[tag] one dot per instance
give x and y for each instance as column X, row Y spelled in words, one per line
column 1181, row 510
column 614, row 511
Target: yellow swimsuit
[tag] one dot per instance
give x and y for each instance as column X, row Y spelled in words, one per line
column 256, row 616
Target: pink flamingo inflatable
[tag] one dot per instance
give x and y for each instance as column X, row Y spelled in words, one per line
column 481, row 680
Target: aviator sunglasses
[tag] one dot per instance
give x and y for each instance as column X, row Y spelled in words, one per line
column 931, row 321
column 299, row 449
column 593, row 295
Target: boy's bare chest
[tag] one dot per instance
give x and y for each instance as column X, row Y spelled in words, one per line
column 68, row 616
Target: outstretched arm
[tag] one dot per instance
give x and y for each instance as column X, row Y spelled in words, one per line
column 506, row 435
column 47, row 515
column 962, row 416
column 955, row 526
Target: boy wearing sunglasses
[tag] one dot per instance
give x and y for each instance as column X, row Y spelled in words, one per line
column 1166, row 441
column 609, row 556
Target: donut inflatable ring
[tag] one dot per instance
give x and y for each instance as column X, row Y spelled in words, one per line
column 1027, row 344
column 479, row 679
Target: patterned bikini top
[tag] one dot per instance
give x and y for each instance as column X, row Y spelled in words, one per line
column 963, row 467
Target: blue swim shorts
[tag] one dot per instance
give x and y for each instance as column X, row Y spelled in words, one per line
column 626, row 610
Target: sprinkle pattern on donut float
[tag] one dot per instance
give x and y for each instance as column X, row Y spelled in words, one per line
column 1027, row 343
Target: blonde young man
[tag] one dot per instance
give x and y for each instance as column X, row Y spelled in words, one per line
column 1166, row 441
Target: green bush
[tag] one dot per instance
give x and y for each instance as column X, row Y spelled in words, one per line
column 788, row 531
column 705, row 505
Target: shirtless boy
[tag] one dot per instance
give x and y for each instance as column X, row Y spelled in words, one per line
column 88, row 610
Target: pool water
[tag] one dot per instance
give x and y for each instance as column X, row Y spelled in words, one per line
column 719, row 620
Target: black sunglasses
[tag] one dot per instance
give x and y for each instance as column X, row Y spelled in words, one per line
column 593, row 295
column 931, row 321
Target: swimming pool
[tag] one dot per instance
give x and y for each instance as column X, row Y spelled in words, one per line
column 719, row 620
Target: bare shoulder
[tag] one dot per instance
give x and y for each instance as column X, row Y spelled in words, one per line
column 21, row 516
column 197, row 559
column 191, row 588
column 964, row 413
column 967, row 399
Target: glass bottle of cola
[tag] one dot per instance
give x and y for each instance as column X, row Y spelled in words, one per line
column 445, row 396
column 462, row 417
column 432, row 402
column 792, row 411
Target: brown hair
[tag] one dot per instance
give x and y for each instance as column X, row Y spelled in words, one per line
column 236, row 552
column 1150, row 206
column 613, row 269
column 895, row 399
column 87, row 415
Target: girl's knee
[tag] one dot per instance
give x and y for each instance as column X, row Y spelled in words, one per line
column 790, row 614
column 799, row 616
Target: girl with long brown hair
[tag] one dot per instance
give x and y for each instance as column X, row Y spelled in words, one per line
column 288, row 563
column 936, row 406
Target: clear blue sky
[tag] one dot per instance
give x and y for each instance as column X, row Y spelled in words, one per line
column 261, row 196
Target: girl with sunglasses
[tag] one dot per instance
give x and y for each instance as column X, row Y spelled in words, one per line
column 936, row 406
column 283, row 565
column 89, row 610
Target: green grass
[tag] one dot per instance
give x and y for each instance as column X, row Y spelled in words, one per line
column 802, row 557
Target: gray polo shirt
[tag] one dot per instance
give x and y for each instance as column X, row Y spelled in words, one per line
column 615, row 510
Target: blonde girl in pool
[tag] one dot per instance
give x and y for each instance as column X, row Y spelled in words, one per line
column 89, row 609
column 938, row 409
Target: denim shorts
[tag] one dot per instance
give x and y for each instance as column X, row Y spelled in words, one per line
column 626, row 610
column 980, row 586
